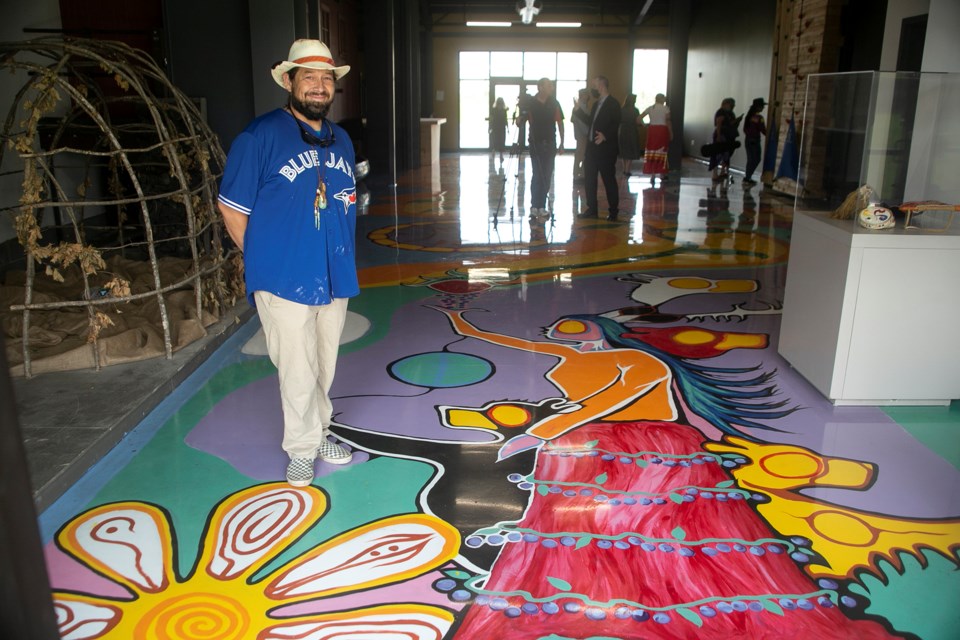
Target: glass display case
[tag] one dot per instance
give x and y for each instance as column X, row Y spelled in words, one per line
column 889, row 138
column 869, row 310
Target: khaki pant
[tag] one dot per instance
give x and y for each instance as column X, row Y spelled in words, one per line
column 303, row 342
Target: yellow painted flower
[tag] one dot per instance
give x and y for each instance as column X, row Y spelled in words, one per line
column 132, row 543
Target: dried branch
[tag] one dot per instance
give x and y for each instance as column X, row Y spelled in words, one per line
column 146, row 143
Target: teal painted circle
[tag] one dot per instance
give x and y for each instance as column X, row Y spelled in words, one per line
column 441, row 370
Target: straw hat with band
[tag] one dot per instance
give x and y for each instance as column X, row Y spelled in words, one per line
column 309, row 54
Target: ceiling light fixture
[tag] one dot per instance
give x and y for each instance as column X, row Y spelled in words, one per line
column 488, row 24
column 528, row 10
column 562, row 25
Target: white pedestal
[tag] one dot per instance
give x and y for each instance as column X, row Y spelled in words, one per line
column 430, row 141
column 871, row 317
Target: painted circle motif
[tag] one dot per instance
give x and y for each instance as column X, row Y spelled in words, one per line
column 459, row 286
column 441, row 370
column 510, row 415
column 689, row 283
column 571, row 327
column 844, row 528
column 695, row 337
column 792, row 465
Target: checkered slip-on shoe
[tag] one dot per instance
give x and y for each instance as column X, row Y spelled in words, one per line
column 300, row 471
column 333, row 453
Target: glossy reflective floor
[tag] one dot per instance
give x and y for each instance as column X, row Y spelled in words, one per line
column 561, row 428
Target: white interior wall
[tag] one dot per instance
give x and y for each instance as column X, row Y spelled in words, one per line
column 273, row 27
column 941, row 51
column 935, row 149
column 897, row 10
column 719, row 66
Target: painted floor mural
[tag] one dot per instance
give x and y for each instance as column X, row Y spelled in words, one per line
column 561, row 429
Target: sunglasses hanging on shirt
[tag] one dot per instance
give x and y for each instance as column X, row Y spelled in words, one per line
column 314, row 140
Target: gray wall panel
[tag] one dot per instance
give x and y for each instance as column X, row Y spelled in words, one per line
column 209, row 57
column 730, row 54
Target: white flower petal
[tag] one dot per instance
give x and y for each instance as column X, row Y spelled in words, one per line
column 252, row 526
column 383, row 552
column 130, row 542
column 79, row 620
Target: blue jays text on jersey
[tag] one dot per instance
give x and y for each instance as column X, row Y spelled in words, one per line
column 308, row 159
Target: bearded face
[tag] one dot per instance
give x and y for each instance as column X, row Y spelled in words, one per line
column 311, row 92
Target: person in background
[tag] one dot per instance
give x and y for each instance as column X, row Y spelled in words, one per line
column 520, row 119
column 580, row 132
column 659, row 137
column 725, row 133
column 627, row 134
column 754, row 128
column 498, row 127
column 544, row 117
column 288, row 200
column 600, row 157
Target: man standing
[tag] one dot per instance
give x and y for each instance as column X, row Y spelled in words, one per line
column 544, row 116
column 288, row 200
column 601, row 154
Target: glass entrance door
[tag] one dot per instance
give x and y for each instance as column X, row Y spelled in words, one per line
column 510, row 91
column 487, row 75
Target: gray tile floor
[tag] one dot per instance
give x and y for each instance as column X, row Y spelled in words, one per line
column 71, row 419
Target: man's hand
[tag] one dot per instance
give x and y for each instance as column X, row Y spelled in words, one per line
column 598, row 137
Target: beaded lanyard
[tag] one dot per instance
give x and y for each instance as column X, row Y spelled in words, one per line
column 320, row 201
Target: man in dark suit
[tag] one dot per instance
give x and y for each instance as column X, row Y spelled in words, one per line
column 602, row 149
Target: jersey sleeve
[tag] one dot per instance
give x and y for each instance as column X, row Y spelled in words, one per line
column 241, row 175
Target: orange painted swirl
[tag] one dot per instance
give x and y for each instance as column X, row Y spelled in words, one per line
column 197, row 616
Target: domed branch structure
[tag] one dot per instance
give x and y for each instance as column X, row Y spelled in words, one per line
column 117, row 206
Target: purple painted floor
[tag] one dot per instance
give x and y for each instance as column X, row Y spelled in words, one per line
column 561, row 428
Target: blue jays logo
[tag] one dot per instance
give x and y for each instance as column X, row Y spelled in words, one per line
column 348, row 197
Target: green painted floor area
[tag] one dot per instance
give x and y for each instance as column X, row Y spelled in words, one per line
column 936, row 427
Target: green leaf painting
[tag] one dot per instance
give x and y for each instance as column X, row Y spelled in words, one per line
column 558, row 584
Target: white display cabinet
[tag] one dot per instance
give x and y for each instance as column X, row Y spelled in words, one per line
column 872, row 317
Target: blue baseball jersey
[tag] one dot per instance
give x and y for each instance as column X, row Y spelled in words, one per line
column 272, row 176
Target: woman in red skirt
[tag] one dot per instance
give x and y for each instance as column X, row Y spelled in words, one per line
column 659, row 135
